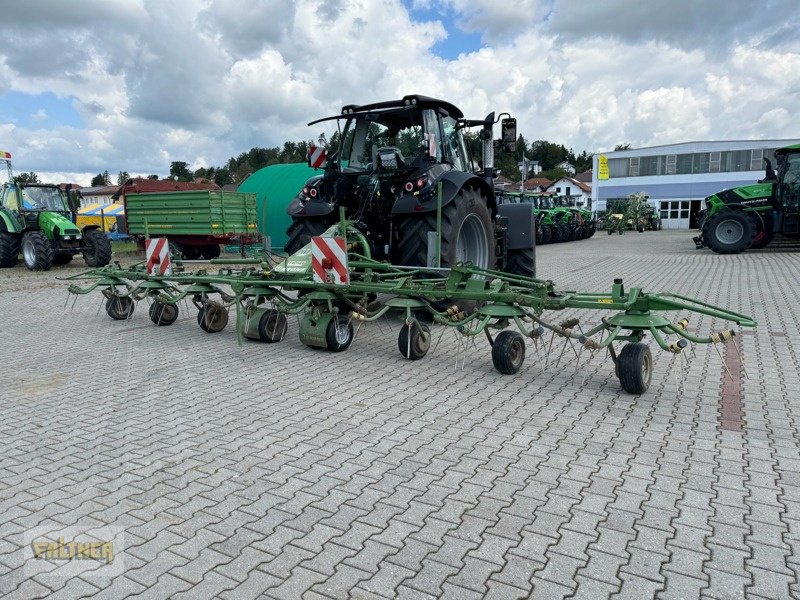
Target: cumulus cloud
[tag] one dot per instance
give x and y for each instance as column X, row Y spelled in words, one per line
column 202, row 80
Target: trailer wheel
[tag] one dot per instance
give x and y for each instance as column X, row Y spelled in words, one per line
column 9, row 249
column 729, row 232
column 508, row 352
column 301, row 231
column 210, row 252
column 192, row 252
column 272, row 326
column 37, row 251
column 119, row 308
column 213, row 317
column 163, row 314
column 635, row 367
column 419, row 344
column 339, row 333
column 97, row 248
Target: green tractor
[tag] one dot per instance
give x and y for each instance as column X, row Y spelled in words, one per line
column 750, row 216
column 37, row 219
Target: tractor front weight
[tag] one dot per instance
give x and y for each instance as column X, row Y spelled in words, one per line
column 507, row 309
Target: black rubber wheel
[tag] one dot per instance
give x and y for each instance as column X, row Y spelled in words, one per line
column 62, row 259
column 508, row 352
column 729, row 232
column 467, row 233
column 192, row 252
column 272, row 326
column 213, row 317
column 97, row 248
column 210, row 251
column 521, row 262
column 547, row 234
column 120, row 308
column 9, row 249
column 163, row 314
column 557, row 235
column 339, row 333
column 764, row 232
column 301, row 231
column 591, row 231
column 640, row 228
column 419, row 344
column 635, row 367
column 37, row 252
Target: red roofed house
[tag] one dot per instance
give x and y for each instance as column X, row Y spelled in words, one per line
column 537, row 184
column 572, row 190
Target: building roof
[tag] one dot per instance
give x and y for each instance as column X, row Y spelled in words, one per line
column 100, row 190
column 534, row 182
column 143, row 185
column 579, row 184
column 585, row 177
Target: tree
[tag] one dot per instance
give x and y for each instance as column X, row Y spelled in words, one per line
column 122, row 177
column 101, row 179
column 154, row 177
column 625, row 146
column 26, row 178
column 179, row 171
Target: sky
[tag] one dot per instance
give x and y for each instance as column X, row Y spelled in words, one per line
column 132, row 85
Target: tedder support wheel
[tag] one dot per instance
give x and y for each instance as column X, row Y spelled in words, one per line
column 163, row 314
column 635, row 367
column 37, row 251
column 119, row 308
column 9, row 249
column 417, row 345
column 508, row 352
column 97, row 248
column 339, row 333
column 729, row 232
column 213, row 317
column 272, row 326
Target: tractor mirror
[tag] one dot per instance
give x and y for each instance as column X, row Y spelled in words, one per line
column 508, row 128
column 73, row 201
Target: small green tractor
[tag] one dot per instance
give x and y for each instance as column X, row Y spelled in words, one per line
column 37, row 219
column 555, row 220
column 737, row 219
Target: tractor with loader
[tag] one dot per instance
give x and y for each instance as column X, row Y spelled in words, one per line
column 37, row 219
column 738, row 219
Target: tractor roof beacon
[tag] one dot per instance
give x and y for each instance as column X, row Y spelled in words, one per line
column 395, row 162
column 750, row 216
column 38, row 220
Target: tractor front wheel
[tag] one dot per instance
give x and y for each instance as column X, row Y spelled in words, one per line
column 37, row 251
column 415, row 345
column 9, row 249
column 635, row 367
column 97, row 250
column 729, row 232
column 508, row 352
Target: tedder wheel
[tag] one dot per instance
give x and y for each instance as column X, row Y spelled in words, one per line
column 272, row 326
column 9, row 249
column 508, row 352
column 211, row 251
column 729, row 232
column 97, row 248
column 37, row 251
column 119, row 308
column 213, row 317
column 419, row 343
column 635, row 367
column 339, row 333
column 163, row 314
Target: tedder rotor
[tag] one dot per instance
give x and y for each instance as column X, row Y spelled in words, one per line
column 334, row 285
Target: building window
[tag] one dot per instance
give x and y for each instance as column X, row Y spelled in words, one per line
column 672, row 160
column 700, row 162
column 714, row 161
column 618, row 167
column 756, row 159
column 634, row 166
column 567, row 192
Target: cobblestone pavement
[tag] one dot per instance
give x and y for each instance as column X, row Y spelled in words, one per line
column 284, row 472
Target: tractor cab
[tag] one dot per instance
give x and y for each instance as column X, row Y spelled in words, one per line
column 787, row 190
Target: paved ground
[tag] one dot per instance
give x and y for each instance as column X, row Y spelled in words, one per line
column 287, row 472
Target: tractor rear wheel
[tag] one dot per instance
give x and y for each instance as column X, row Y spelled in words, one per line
column 508, row 352
column 37, row 251
column 467, row 233
column 419, row 343
column 301, row 231
column 97, row 250
column 729, row 232
column 9, row 249
column 547, row 234
column 521, row 262
column 635, row 367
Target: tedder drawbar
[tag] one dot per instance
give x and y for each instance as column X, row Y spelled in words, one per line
column 333, row 284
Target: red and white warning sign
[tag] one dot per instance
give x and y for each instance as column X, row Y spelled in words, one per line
column 157, row 254
column 316, row 157
column 329, row 260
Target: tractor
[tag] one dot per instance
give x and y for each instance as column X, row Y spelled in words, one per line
column 38, row 220
column 737, row 219
column 404, row 176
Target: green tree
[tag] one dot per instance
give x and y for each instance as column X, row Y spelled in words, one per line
column 179, row 171
column 122, row 177
column 26, row 178
column 101, row 179
column 154, row 177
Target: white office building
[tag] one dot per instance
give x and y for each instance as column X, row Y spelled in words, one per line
column 677, row 177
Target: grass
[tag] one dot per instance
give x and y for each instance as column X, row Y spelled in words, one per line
column 124, row 246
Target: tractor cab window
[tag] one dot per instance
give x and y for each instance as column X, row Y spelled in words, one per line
column 42, row 198
column 382, row 140
column 454, row 149
column 791, row 182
